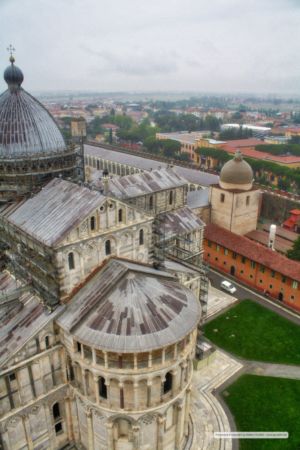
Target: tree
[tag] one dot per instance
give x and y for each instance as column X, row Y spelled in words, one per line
column 170, row 148
column 110, row 136
column 152, row 145
column 294, row 252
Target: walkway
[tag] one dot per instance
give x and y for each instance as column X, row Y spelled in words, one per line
column 207, row 411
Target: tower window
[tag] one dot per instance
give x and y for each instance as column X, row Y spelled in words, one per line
column 222, row 198
column 56, row 410
column 102, row 387
column 171, row 198
column 120, row 215
column 47, row 342
column 58, row 428
column 151, row 202
column 107, row 248
column 71, row 261
column 248, row 200
column 93, row 223
column 141, row 237
column 167, row 386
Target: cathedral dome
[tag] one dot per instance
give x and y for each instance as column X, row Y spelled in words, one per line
column 26, row 127
column 236, row 174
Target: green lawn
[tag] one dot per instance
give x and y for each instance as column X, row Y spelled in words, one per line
column 266, row 404
column 253, row 332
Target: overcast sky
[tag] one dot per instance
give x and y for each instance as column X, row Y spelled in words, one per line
column 165, row 45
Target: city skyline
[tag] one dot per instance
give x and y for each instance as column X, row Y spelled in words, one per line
column 171, row 46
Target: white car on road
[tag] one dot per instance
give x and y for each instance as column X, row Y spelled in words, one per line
column 228, row 287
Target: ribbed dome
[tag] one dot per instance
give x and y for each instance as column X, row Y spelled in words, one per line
column 236, row 174
column 26, row 127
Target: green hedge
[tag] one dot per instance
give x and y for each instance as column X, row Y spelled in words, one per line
column 279, row 149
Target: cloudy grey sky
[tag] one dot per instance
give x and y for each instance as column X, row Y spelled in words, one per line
column 165, row 45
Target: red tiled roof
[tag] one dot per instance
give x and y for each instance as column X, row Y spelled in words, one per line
column 253, row 251
column 251, row 153
column 240, row 143
column 295, row 211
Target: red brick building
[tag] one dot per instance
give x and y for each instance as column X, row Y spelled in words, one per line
column 253, row 264
column 293, row 222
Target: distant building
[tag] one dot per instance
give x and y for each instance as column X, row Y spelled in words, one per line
column 293, row 222
column 257, row 131
column 253, row 264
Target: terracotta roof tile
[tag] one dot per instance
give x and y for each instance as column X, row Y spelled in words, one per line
column 253, row 251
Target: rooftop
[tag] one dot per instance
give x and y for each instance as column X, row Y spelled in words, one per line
column 191, row 175
column 253, row 251
column 55, row 210
column 179, row 222
column 145, row 183
column 24, row 319
column 129, row 307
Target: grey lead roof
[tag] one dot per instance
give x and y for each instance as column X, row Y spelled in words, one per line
column 191, row 175
column 198, row 199
column 26, row 127
column 179, row 222
column 144, row 183
column 55, row 210
column 129, row 307
column 24, row 319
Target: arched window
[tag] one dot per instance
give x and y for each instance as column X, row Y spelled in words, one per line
column 167, row 386
column 141, row 237
column 120, row 215
column 248, row 200
column 93, row 223
column 222, row 198
column 71, row 261
column 56, row 410
column 107, row 247
column 102, row 387
column 151, row 202
column 170, row 197
column 98, row 164
column 47, row 342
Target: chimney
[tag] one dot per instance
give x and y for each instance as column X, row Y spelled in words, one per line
column 272, row 235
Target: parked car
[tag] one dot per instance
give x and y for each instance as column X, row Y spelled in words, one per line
column 228, row 287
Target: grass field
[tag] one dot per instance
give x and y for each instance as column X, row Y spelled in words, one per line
column 250, row 331
column 266, row 404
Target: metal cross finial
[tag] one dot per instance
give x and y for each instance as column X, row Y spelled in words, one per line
column 11, row 50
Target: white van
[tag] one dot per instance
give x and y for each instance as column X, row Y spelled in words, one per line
column 228, row 287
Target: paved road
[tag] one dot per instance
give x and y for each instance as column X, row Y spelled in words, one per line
column 245, row 292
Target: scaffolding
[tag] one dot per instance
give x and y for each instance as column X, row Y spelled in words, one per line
column 188, row 256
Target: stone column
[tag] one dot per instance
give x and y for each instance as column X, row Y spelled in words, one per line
column 94, row 356
column 135, row 361
column 96, row 389
column 105, row 360
column 136, row 437
column 175, row 351
column 27, row 431
column 83, row 382
column 161, row 432
column 107, row 383
column 178, row 436
column 50, row 426
column 187, row 410
column 110, row 436
column 150, row 360
column 174, row 382
column 69, row 420
column 63, row 362
column 163, row 356
column 183, row 366
column 89, row 419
